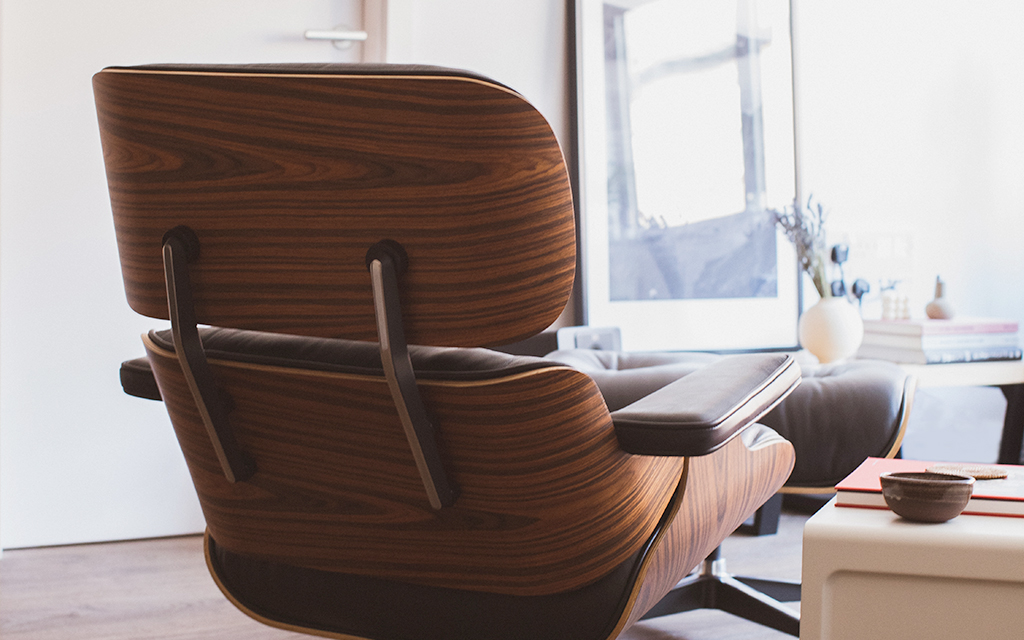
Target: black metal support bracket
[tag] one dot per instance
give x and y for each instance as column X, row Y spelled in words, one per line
column 386, row 260
column 756, row 600
column 180, row 248
column 765, row 520
column 1011, row 445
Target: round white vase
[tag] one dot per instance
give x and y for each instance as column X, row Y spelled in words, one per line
column 832, row 329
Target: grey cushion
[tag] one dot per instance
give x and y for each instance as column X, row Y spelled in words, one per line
column 841, row 414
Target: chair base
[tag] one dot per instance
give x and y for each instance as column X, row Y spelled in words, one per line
column 765, row 521
column 753, row 599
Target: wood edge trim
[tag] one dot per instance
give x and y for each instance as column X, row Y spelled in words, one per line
column 337, row 375
column 909, row 392
column 260, row 618
column 670, row 515
column 255, row 74
column 807, row 490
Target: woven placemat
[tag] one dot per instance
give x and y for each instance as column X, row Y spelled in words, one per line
column 976, row 471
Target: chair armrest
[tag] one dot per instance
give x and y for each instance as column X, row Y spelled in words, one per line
column 137, row 379
column 700, row 412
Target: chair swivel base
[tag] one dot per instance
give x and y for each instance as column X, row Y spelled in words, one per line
column 749, row 598
column 765, row 521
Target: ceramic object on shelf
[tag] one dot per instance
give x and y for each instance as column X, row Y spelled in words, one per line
column 939, row 308
column 926, row 496
column 832, row 329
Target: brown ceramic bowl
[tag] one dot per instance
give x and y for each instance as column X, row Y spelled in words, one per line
column 925, row 496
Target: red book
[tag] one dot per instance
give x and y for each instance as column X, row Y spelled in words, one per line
column 1001, row 497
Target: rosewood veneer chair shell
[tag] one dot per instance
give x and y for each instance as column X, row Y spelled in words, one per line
column 285, row 176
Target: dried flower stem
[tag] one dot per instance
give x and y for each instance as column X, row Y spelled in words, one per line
column 805, row 228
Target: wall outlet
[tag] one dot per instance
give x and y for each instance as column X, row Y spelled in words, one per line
column 597, row 338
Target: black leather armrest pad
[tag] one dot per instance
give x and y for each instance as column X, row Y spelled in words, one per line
column 137, row 379
column 700, row 412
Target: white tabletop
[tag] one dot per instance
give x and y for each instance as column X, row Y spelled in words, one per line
column 967, row 374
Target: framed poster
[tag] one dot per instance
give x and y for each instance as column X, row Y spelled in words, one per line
column 686, row 144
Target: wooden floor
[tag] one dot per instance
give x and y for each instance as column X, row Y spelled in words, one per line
column 160, row 589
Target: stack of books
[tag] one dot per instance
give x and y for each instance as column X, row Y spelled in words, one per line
column 940, row 341
column 997, row 497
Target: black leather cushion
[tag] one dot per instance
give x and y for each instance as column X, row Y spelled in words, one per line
column 322, row 354
column 625, row 377
column 350, row 356
column 137, row 379
column 700, row 412
column 370, row 607
column 840, row 414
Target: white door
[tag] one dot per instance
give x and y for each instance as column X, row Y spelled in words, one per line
column 79, row 460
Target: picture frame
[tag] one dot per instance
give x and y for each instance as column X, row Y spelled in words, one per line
column 686, row 143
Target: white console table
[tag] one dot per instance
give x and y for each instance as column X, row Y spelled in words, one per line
column 868, row 573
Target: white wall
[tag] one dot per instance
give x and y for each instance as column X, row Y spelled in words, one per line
column 912, row 137
column 79, row 460
column 521, row 44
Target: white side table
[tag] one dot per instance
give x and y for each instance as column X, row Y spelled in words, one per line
column 868, row 573
column 1007, row 375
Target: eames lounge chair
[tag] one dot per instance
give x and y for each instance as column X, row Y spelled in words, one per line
column 333, row 245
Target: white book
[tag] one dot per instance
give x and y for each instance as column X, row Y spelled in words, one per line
column 929, row 326
column 938, row 356
column 942, row 340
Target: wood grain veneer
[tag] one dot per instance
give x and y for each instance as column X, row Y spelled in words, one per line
column 287, row 179
column 720, row 491
column 547, row 503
